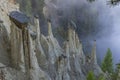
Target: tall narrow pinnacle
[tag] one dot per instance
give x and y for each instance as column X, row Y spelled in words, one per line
column 94, row 59
column 37, row 25
column 49, row 28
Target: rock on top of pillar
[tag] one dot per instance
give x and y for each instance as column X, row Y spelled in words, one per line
column 19, row 19
column 1, row 21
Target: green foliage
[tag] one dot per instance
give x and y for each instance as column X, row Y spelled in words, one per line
column 107, row 64
column 101, row 77
column 115, row 75
column 90, row 76
column 117, row 71
column 114, row 2
column 91, row 0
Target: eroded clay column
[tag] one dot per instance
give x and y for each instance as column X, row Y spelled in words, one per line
column 49, row 28
column 37, row 26
column 94, row 59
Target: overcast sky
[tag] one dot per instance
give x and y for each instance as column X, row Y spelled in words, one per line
column 112, row 41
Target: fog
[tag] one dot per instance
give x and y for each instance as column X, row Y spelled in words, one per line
column 112, row 41
column 107, row 23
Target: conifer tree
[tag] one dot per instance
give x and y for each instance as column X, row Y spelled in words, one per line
column 101, row 77
column 90, row 76
column 116, row 75
column 107, row 64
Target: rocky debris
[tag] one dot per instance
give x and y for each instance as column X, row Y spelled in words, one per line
column 11, row 74
column 2, row 77
column 2, row 65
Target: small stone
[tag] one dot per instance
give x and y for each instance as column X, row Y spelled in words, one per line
column 33, row 35
column 2, row 65
column 1, row 21
column 36, row 16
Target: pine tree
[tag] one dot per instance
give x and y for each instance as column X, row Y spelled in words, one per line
column 116, row 75
column 101, row 77
column 107, row 64
column 90, row 76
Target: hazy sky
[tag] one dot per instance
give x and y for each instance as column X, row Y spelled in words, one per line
column 112, row 41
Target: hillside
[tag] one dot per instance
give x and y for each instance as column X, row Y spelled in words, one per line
column 26, row 54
